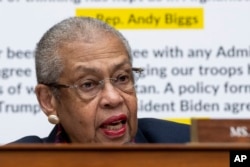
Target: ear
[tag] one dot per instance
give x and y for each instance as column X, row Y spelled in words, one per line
column 46, row 99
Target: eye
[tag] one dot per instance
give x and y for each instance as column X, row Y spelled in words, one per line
column 123, row 78
column 87, row 85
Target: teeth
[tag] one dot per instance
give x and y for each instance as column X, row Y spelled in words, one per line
column 114, row 127
column 114, row 123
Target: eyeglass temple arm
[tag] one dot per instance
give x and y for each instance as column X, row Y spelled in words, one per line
column 138, row 69
column 55, row 85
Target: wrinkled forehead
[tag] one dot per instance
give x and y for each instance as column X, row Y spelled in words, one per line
column 99, row 53
column 100, row 46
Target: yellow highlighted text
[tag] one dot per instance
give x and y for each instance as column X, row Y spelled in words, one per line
column 147, row 18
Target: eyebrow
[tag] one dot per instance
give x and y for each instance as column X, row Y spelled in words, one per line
column 88, row 69
column 118, row 66
column 96, row 70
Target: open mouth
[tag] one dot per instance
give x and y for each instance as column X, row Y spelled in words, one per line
column 114, row 126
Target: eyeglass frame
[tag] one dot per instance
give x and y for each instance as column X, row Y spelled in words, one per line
column 101, row 82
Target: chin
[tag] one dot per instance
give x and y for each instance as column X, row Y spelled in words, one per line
column 116, row 141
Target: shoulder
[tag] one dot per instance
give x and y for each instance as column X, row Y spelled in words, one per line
column 36, row 139
column 28, row 139
column 151, row 130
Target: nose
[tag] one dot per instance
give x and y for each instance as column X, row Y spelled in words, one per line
column 110, row 95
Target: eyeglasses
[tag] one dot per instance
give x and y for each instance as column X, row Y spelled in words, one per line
column 124, row 80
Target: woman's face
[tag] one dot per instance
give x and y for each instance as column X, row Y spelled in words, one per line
column 111, row 115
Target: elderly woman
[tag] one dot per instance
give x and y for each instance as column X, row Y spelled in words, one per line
column 86, row 88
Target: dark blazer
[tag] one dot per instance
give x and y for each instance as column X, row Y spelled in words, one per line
column 150, row 130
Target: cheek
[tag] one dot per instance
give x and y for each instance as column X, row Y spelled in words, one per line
column 70, row 101
column 132, row 107
column 131, row 102
column 78, row 118
column 85, row 114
